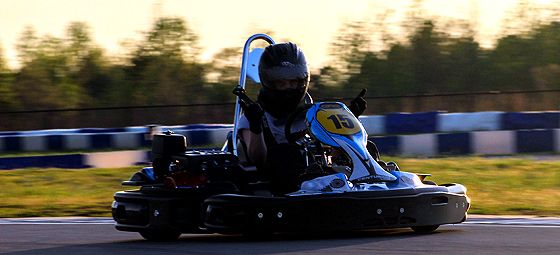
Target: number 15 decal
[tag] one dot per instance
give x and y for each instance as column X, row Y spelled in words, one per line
column 338, row 121
column 341, row 120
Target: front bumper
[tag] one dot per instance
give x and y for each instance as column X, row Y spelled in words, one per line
column 345, row 211
column 189, row 212
column 139, row 211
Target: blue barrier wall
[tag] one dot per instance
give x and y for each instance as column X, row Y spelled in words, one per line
column 530, row 120
column 528, row 141
column 454, row 144
column 112, row 159
column 106, row 138
column 55, row 142
column 411, row 123
column 480, row 143
column 426, row 134
column 56, row 161
column 387, row 145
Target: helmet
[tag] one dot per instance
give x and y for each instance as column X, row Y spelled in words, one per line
column 282, row 62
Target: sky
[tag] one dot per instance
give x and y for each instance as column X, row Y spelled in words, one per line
column 312, row 24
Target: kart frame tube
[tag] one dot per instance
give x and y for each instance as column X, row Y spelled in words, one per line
column 242, row 79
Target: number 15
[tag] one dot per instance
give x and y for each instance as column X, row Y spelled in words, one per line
column 339, row 119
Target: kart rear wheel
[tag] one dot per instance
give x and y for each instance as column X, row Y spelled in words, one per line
column 424, row 229
column 160, row 236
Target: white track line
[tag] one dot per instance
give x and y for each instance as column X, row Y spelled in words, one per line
column 515, row 221
column 57, row 221
column 476, row 220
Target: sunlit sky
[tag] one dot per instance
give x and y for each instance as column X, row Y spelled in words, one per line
column 226, row 23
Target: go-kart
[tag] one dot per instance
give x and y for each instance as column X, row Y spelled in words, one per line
column 344, row 185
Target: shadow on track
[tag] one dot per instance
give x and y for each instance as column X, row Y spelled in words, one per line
column 320, row 243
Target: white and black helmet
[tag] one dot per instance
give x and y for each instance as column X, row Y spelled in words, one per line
column 283, row 61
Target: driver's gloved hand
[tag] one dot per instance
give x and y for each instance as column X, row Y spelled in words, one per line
column 358, row 105
column 254, row 114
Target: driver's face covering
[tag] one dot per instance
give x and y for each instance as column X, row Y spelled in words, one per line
column 288, row 84
column 284, row 98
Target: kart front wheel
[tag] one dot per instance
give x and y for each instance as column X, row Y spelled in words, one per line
column 160, row 236
column 424, row 229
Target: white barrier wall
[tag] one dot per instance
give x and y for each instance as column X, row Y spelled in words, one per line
column 115, row 159
column 126, row 140
column 419, row 145
column 504, row 142
column 464, row 122
column 557, row 139
column 76, row 141
column 431, row 133
column 34, row 143
column 493, row 142
column 373, row 124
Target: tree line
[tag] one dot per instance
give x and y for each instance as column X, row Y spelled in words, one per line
column 164, row 68
column 444, row 56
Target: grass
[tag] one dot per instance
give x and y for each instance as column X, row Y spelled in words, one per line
column 509, row 186
column 506, row 186
column 59, row 192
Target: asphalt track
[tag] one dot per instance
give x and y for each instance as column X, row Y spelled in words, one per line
column 479, row 235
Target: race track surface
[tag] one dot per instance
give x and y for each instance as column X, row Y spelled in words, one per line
column 479, row 235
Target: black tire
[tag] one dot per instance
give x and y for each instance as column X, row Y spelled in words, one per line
column 160, row 236
column 425, row 229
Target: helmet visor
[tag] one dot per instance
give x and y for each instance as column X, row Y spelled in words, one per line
column 282, row 85
column 287, row 71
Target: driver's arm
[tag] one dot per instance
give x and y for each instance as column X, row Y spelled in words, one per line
column 256, row 148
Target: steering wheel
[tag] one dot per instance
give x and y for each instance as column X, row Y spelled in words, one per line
column 292, row 137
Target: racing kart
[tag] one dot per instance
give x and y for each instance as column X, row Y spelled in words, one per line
column 344, row 185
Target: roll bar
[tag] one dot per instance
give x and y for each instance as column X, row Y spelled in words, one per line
column 242, row 79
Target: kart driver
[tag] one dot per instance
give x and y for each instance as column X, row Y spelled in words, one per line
column 284, row 76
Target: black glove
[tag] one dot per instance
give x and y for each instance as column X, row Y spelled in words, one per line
column 253, row 111
column 358, row 105
column 254, row 114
